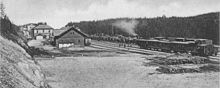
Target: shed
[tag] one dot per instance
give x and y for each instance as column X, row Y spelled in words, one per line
column 71, row 36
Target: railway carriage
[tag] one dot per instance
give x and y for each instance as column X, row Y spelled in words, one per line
column 182, row 47
column 202, row 47
column 142, row 43
column 165, row 46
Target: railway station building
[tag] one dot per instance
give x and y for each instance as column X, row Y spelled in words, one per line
column 42, row 31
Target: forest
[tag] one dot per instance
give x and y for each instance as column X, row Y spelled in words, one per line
column 199, row 26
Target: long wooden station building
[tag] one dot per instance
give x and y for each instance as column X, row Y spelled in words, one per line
column 70, row 36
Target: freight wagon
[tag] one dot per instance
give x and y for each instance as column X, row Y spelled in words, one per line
column 202, row 47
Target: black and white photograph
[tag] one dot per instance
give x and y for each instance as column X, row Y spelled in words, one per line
column 109, row 44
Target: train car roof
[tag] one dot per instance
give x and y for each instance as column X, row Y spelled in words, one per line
column 202, row 44
column 147, row 40
column 165, row 41
column 180, row 38
column 178, row 42
column 141, row 39
column 195, row 39
column 153, row 40
column 159, row 37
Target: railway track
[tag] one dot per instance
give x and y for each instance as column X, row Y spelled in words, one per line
column 117, row 49
column 132, row 49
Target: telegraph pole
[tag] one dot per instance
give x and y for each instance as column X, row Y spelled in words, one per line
column 112, row 31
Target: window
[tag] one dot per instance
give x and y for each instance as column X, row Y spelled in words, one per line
column 35, row 31
column 40, row 31
column 46, row 31
column 79, row 41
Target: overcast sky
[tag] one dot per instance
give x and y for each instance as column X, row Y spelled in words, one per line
column 58, row 13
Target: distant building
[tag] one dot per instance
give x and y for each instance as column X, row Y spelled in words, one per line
column 31, row 26
column 70, row 36
column 27, row 29
column 42, row 31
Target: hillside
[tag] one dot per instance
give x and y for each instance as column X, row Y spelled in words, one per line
column 11, row 32
column 17, row 67
column 200, row 26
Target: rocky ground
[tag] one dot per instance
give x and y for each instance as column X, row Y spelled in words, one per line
column 95, row 68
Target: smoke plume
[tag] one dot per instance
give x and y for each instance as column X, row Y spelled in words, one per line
column 126, row 26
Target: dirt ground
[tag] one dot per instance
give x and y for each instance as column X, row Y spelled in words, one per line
column 119, row 70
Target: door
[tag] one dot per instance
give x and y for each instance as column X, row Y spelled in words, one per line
column 39, row 37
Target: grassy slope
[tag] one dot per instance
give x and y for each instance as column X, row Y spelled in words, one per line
column 17, row 67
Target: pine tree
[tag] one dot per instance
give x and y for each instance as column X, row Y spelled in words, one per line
column 2, row 10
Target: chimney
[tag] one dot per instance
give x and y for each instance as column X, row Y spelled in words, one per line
column 77, row 29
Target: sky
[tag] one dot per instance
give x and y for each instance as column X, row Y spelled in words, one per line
column 57, row 13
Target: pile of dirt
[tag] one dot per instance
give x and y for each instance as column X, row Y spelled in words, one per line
column 176, row 69
column 210, row 67
column 173, row 70
column 174, row 64
column 186, row 60
column 179, row 59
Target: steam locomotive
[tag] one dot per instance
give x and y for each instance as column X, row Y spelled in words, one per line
column 201, row 47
